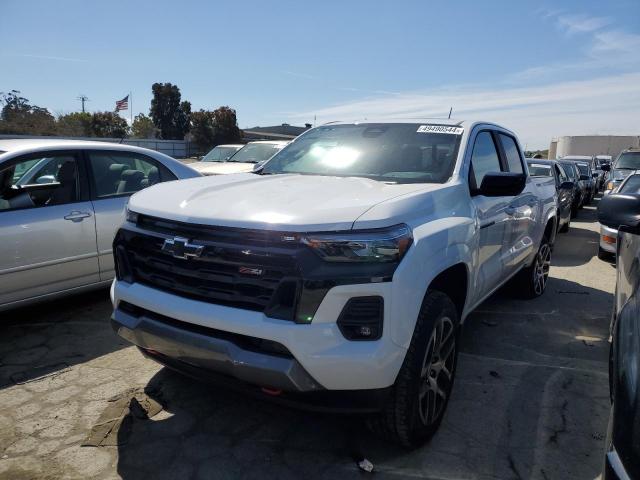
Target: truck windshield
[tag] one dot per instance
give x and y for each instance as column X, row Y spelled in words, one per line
column 629, row 161
column 399, row 153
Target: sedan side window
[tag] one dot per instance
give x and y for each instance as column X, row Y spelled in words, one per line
column 39, row 182
column 484, row 158
column 122, row 173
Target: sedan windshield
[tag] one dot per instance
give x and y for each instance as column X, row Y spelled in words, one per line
column 540, row 170
column 399, row 153
column 256, row 152
column 629, row 161
column 632, row 185
column 219, row 154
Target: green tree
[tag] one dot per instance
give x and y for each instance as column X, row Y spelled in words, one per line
column 108, row 124
column 143, row 127
column 226, row 123
column 18, row 116
column 76, row 124
column 169, row 114
column 203, row 130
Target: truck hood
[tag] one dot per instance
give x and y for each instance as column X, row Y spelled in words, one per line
column 222, row 168
column 275, row 202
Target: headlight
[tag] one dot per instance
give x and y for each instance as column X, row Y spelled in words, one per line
column 379, row 245
column 131, row 216
column 610, row 186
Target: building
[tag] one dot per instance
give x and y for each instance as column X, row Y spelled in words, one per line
column 276, row 132
column 592, row 145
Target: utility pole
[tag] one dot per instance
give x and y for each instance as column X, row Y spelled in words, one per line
column 83, row 98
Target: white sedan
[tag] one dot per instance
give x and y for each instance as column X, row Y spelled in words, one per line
column 61, row 202
column 246, row 159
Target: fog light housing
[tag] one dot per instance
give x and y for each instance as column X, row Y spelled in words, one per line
column 362, row 318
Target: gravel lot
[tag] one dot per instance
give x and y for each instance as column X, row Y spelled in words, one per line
column 530, row 400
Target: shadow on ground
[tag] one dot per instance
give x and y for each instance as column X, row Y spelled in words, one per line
column 45, row 338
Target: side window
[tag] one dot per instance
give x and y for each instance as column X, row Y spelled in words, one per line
column 561, row 174
column 484, row 158
column 122, row 173
column 512, row 153
column 39, row 182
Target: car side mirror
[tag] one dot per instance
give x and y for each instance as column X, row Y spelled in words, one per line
column 605, row 167
column 502, row 184
column 584, row 177
column 595, row 175
column 566, row 185
column 619, row 209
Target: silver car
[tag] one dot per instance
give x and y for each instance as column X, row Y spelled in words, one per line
column 609, row 233
column 61, row 202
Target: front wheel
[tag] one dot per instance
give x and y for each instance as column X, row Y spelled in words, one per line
column 531, row 281
column 421, row 393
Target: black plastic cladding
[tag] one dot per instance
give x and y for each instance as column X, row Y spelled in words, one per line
column 293, row 282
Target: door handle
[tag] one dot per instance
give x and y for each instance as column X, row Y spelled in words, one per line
column 77, row 216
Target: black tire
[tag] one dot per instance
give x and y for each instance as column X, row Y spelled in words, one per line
column 574, row 210
column 531, row 281
column 565, row 227
column 406, row 418
column 604, row 255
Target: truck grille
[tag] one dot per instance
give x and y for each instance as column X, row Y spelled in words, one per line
column 254, row 270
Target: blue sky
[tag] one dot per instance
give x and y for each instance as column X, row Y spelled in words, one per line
column 541, row 68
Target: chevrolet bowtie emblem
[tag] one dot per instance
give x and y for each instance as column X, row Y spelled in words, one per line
column 181, row 248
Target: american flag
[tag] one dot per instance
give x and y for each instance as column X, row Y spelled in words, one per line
column 122, row 104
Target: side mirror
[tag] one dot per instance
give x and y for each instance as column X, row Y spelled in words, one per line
column 619, row 209
column 502, row 184
column 605, row 167
column 595, row 175
column 585, row 177
column 566, row 185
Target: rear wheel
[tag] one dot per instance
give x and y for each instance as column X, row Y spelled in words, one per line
column 531, row 281
column 421, row 393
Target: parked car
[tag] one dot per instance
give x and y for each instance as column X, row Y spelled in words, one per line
column 627, row 162
column 596, row 166
column 343, row 275
column 585, row 171
column 609, row 232
column 246, row 158
column 217, row 155
column 61, row 203
column 564, row 187
column 622, row 458
column 578, row 190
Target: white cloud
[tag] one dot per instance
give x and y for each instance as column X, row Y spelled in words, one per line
column 580, row 23
column 603, row 105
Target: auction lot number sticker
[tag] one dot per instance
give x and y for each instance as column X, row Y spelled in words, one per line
column 448, row 129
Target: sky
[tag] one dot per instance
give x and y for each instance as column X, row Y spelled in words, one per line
column 543, row 69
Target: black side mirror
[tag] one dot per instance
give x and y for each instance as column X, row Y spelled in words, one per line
column 618, row 209
column 595, row 175
column 605, row 167
column 566, row 185
column 502, row 184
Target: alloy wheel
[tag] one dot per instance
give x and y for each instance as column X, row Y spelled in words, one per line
column 541, row 270
column 437, row 371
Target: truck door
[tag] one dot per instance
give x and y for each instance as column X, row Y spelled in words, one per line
column 494, row 226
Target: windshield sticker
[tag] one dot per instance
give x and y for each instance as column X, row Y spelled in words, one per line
column 450, row 130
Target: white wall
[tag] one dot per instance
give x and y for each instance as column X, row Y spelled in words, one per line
column 593, row 145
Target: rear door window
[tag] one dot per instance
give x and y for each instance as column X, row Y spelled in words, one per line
column 123, row 173
column 512, row 153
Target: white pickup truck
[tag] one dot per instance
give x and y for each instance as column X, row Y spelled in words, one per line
column 339, row 275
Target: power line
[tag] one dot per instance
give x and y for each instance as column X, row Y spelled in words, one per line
column 83, row 98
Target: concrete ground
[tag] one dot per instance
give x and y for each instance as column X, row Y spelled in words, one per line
column 530, row 399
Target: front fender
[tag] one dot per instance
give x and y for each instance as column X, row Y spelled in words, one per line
column 437, row 246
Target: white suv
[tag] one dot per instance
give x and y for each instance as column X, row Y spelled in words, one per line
column 338, row 275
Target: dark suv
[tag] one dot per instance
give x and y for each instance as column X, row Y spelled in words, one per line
column 627, row 162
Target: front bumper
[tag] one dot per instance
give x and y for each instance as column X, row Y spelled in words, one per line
column 318, row 349
column 608, row 233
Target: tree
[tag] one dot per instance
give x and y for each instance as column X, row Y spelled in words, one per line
column 18, row 116
column 143, row 127
column 227, row 125
column 169, row 115
column 108, row 124
column 76, row 124
column 211, row 128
